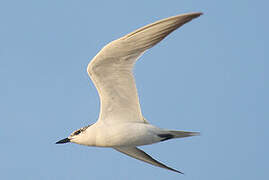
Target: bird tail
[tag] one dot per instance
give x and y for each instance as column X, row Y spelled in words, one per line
column 182, row 134
column 176, row 134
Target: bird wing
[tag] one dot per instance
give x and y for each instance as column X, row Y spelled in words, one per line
column 111, row 69
column 141, row 155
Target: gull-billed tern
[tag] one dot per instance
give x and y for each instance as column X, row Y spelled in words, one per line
column 121, row 124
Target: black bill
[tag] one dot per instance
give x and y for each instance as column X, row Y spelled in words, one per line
column 66, row 140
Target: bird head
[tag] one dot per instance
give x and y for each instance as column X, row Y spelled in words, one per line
column 74, row 136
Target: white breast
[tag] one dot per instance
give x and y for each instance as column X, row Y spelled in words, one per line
column 125, row 134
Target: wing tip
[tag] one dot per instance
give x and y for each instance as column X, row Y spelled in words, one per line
column 190, row 14
column 195, row 14
column 177, row 171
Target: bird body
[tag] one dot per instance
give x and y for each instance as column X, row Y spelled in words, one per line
column 123, row 134
column 121, row 124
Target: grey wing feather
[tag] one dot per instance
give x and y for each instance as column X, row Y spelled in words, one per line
column 141, row 155
column 111, row 69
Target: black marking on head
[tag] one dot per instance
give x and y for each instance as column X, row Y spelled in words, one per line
column 166, row 136
column 77, row 132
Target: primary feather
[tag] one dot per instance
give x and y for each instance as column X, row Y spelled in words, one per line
column 111, row 69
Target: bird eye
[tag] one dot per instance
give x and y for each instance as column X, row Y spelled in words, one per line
column 77, row 132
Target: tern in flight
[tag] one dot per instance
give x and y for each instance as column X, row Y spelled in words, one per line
column 121, row 124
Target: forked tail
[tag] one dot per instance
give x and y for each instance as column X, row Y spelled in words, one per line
column 176, row 134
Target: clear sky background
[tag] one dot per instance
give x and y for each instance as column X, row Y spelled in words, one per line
column 211, row 76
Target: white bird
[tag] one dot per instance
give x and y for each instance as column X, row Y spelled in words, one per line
column 121, row 124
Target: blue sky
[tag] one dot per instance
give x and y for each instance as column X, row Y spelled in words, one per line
column 211, row 76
